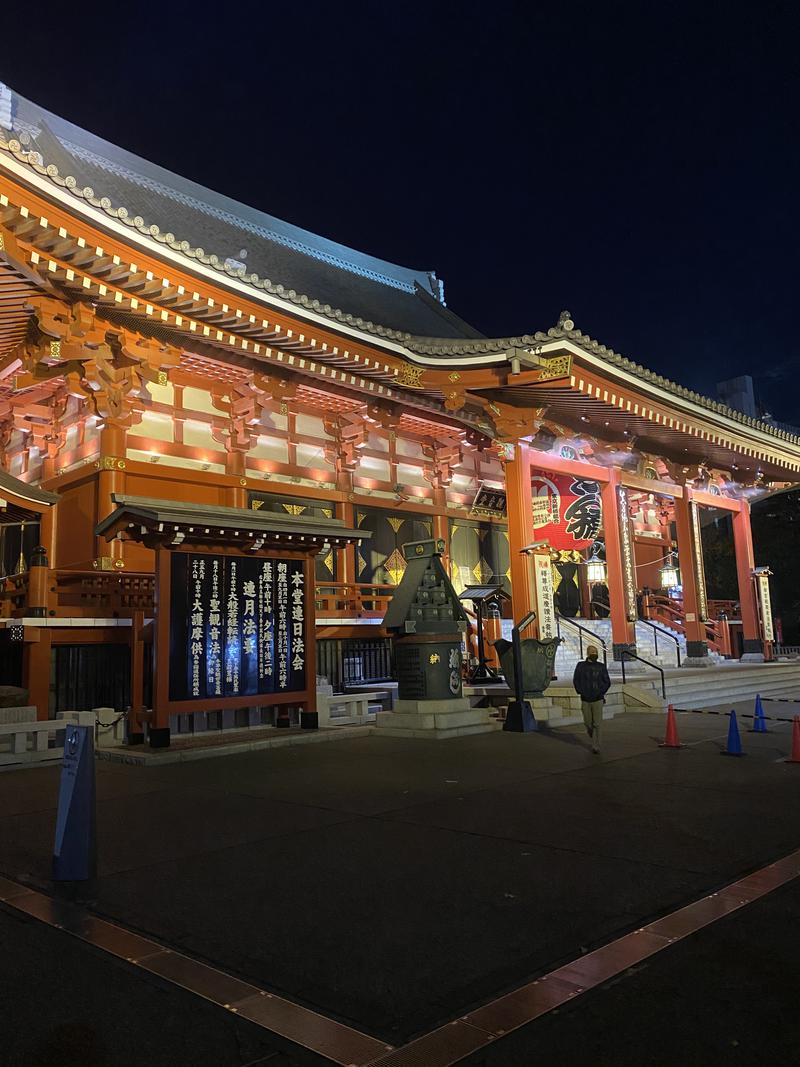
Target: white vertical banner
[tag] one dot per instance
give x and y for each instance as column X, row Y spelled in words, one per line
column 545, row 609
column 765, row 604
column 626, row 552
column 699, row 567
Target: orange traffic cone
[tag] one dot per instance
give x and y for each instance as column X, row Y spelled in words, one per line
column 671, row 736
column 795, row 756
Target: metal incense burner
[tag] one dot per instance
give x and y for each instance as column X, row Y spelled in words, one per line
column 427, row 621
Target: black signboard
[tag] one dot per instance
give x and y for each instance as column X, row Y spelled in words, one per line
column 237, row 626
column 489, row 502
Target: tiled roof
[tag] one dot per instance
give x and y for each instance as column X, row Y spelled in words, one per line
column 565, row 330
column 276, row 257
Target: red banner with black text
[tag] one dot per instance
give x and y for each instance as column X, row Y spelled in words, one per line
column 566, row 510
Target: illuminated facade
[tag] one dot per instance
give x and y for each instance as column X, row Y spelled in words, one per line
column 159, row 341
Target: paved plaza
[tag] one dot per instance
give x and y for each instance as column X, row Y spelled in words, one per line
column 393, row 885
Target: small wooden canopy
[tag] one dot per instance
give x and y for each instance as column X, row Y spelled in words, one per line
column 481, row 594
column 20, row 502
column 172, row 522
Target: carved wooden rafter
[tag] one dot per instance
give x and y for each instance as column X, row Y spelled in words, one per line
column 384, row 414
column 46, row 423
column 275, row 392
column 7, row 428
column 512, row 423
column 107, row 365
column 348, row 432
column 442, row 456
column 243, row 405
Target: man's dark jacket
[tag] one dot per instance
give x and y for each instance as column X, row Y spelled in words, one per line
column 591, row 680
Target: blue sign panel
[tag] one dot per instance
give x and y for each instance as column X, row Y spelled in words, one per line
column 75, row 849
column 237, row 626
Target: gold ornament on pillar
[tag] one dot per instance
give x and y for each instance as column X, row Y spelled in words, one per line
column 699, row 567
column 21, row 565
column 626, row 551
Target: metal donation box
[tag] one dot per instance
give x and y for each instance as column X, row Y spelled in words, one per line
column 538, row 659
column 427, row 622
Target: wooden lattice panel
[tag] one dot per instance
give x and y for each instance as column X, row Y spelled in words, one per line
column 428, row 428
column 15, row 292
column 213, row 370
column 323, row 401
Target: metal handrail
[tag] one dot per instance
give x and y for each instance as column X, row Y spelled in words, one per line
column 581, row 631
column 599, row 604
column 626, row 652
column 663, row 630
column 516, row 653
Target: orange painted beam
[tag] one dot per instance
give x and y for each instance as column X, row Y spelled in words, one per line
column 520, row 529
column 546, row 461
column 708, row 500
column 687, row 558
column 622, row 628
column 745, row 562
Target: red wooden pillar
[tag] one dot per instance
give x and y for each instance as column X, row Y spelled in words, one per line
column 111, row 479
column 690, row 559
column 619, row 564
column 135, row 727
column 346, row 557
column 36, row 668
column 235, row 496
column 441, row 527
column 745, row 562
column 520, row 529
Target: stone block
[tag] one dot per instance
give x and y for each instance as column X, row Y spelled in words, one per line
column 408, row 720
column 432, row 707
column 456, row 719
column 16, row 714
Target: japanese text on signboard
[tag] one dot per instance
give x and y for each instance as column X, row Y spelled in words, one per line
column 237, row 626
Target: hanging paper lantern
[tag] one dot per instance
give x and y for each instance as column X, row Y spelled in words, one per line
column 567, row 511
column 595, row 569
column 669, row 574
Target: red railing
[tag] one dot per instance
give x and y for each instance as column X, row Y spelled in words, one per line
column 88, row 593
column 82, row 594
column 13, row 595
column 731, row 609
column 669, row 612
column 343, row 600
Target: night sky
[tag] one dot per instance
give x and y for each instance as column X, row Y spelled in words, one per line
column 634, row 163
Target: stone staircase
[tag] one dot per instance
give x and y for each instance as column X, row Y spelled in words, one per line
column 654, row 646
column 703, row 687
column 727, row 682
column 560, row 706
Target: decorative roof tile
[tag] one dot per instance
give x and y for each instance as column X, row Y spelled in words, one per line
column 347, row 286
column 565, row 329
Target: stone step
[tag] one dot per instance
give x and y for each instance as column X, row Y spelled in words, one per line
column 439, row 735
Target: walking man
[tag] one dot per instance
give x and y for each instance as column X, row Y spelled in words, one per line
column 591, row 682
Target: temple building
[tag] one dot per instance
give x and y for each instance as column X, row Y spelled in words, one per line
column 171, row 359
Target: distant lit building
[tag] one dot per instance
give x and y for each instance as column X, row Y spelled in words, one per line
column 739, row 394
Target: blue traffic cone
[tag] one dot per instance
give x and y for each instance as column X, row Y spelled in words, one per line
column 734, row 741
column 759, row 718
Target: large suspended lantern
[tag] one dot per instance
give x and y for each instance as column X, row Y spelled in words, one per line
column 669, row 573
column 595, row 568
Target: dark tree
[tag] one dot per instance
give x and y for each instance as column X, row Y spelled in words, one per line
column 776, row 542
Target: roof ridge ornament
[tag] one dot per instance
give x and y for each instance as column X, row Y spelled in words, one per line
column 565, row 322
